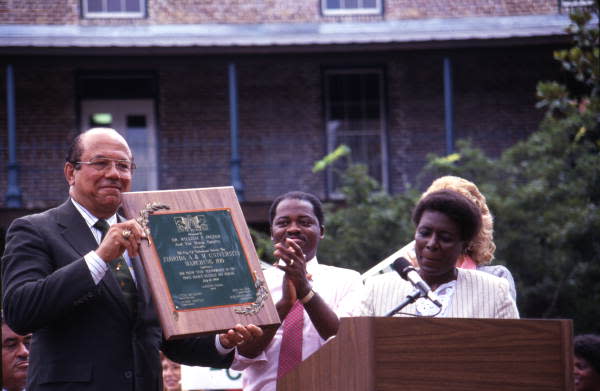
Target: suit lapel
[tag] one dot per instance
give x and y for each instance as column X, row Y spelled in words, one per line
column 144, row 294
column 74, row 229
column 112, row 286
column 76, row 232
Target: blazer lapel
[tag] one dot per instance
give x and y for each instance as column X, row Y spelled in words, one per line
column 74, row 229
column 76, row 232
column 144, row 294
column 112, row 286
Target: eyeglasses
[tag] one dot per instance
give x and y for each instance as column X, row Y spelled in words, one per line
column 103, row 164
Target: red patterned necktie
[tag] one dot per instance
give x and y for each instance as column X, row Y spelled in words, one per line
column 290, row 354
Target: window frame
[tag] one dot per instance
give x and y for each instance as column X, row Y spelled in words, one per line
column 566, row 6
column 377, row 10
column 113, row 15
column 383, row 131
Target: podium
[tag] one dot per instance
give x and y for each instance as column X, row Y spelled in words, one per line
column 429, row 354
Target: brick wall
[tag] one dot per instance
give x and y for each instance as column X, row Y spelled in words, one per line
column 45, row 119
column 411, row 9
column 493, row 97
column 280, row 114
column 264, row 11
column 281, row 98
column 194, row 130
column 280, row 125
column 416, row 114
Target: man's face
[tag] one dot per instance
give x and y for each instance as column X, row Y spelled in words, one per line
column 15, row 358
column 295, row 219
column 585, row 376
column 99, row 190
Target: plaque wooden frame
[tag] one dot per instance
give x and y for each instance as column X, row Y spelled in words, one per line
column 189, row 322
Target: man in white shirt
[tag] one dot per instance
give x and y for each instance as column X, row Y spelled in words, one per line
column 323, row 293
column 15, row 358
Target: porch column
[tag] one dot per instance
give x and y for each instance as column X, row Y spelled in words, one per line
column 235, row 162
column 448, row 106
column 13, row 192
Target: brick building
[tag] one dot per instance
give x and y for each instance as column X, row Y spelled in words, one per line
column 253, row 92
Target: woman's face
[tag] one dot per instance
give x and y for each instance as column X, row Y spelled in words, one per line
column 438, row 245
column 586, row 378
column 171, row 375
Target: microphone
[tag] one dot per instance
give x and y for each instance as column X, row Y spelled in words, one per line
column 408, row 272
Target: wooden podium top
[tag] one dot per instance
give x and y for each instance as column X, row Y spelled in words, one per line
column 419, row 354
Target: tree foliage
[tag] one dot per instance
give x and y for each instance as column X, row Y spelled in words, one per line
column 545, row 192
column 370, row 226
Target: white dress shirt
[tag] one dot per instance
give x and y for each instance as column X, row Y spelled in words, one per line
column 340, row 288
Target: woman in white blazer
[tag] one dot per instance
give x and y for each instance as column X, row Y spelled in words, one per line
column 480, row 252
column 446, row 223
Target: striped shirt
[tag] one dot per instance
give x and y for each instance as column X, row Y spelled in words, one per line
column 476, row 295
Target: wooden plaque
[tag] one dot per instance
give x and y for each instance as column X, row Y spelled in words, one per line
column 201, row 264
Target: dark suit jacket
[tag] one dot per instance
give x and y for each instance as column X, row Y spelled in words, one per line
column 84, row 337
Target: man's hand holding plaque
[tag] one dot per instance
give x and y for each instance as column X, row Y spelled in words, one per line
column 126, row 235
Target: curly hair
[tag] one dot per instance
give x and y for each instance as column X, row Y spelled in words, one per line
column 482, row 247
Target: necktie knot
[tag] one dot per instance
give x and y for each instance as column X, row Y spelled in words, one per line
column 102, row 226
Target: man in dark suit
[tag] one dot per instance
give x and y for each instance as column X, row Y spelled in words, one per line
column 79, row 286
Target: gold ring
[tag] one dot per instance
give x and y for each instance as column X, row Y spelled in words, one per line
column 126, row 233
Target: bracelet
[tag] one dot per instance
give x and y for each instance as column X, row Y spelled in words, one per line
column 308, row 297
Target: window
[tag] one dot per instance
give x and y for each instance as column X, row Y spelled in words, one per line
column 354, row 110
column 350, row 7
column 113, row 8
column 567, row 6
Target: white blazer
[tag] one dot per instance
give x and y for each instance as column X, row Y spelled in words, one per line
column 476, row 295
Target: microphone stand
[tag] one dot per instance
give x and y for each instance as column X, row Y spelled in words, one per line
column 411, row 298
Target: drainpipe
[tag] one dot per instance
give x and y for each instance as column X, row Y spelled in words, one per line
column 13, row 192
column 235, row 161
column 448, row 106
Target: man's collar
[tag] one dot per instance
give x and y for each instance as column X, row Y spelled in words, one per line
column 89, row 217
column 312, row 263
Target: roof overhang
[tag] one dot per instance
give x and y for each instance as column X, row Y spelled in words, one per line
column 282, row 37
